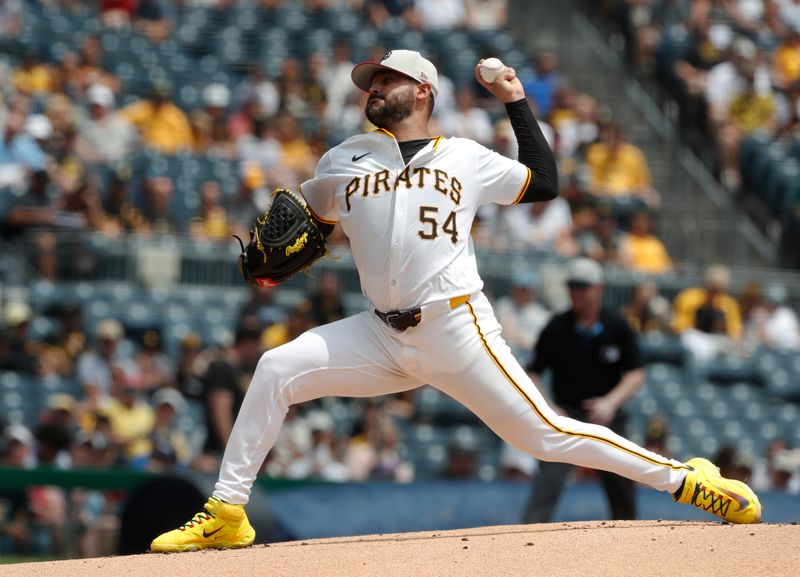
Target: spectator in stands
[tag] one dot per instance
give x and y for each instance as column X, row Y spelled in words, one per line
column 34, row 77
column 291, row 87
column 189, row 366
column 380, row 12
column 315, row 91
column 441, row 14
column 157, row 212
column 293, row 442
column 18, row 352
column 468, row 120
column 121, row 214
column 161, row 124
column 584, row 231
column 750, row 112
column 117, row 13
column 641, row 250
column 262, row 309
column 608, row 234
column 251, row 200
column 224, row 382
column 721, row 14
column 212, row 222
column 542, row 227
column 707, row 317
column 82, row 206
column 298, row 321
column 130, row 416
column 520, row 315
column 643, row 23
column 577, row 132
column 149, row 17
column 596, row 367
column 786, row 59
column 259, row 149
column 657, row 434
column 104, row 137
column 729, row 79
column 259, row 89
column 10, row 18
column 486, row 14
column 20, row 155
column 89, row 70
column 154, row 366
column 337, row 79
column 242, row 122
column 170, row 447
column 461, row 461
column 68, row 340
column 17, row 533
column 775, row 324
column 19, row 447
column 775, row 470
column 210, row 124
column 648, row 310
column 516, row 465
column 618, row 170
column 326, row 304
column 541, row 88
column 93, row 367
column 323, row 459
column 52, row 445
column 708, row 47
column 60, row 412
column 295, row 151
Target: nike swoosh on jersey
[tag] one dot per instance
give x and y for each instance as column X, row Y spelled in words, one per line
column 357, row 158
column 207, row 535
column 743, row 501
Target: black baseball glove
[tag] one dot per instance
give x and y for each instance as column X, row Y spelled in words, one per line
column 286, row 240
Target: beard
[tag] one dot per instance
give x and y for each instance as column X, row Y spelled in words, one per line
column 386, row 111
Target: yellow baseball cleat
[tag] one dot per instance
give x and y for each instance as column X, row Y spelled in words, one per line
column 218, row 526
column 730, row 500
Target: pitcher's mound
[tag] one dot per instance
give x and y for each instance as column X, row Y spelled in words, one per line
column 596, row 548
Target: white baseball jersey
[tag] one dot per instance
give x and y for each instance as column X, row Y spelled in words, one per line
column 409, row 231
column 409, row 225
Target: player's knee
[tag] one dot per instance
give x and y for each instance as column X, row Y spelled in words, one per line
column 275, row 370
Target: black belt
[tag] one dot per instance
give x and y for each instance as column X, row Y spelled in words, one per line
column 401, row 320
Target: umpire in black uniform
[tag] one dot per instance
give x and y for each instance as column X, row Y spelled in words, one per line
column 596, row 367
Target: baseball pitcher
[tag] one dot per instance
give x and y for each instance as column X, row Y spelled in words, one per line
column 406, row 199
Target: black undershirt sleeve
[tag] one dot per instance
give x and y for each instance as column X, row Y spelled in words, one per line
column 534, row 152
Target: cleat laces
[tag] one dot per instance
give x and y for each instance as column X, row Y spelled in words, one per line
column 198, row 519
column 711, row 500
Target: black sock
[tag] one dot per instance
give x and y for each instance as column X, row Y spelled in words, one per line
column 677, row 494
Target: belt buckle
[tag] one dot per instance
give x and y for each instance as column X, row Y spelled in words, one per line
column 391, row 318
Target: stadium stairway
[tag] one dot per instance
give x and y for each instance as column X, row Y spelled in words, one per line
column 697, row 217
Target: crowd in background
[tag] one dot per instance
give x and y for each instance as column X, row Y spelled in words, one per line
column 734, row 68
column 67, row 121
column 71, row 130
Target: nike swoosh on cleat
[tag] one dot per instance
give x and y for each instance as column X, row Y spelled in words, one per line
column 217, row 530
column 357, row 158
column 744, row 502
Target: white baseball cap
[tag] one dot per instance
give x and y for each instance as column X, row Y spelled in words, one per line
column 407, row 62
column 217, row 95
column 101, row 95
column 39, row 126
column 584, row 272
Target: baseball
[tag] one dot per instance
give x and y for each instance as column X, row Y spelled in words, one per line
column 491, row 68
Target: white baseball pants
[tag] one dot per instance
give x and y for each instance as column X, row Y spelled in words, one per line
column 460, row 352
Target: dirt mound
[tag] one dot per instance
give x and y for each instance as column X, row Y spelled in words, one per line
column 596, row 548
